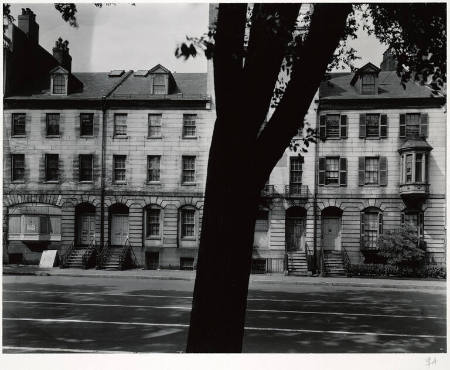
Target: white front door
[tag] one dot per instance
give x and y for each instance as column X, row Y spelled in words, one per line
column 86, row 228
column 331, row 233
column 119, row 229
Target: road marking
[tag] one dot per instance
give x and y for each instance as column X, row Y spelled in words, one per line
column 190, row 297
column 33, row 349
column 187, row 308
column 74, row 321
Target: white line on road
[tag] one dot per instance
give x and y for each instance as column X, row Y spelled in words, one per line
column 34, row 349
column 372, row 304
column 186, row 308
column 50, row 321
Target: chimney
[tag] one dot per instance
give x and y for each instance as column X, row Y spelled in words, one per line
column 27, row 23
column 389, row 62
column 61, row 54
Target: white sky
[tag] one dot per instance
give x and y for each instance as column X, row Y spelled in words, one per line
column 141, row 36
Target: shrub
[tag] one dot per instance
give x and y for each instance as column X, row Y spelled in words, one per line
column 402, row 247
column 429, row 271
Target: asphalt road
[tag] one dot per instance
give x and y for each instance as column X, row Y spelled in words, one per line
column 67, row 314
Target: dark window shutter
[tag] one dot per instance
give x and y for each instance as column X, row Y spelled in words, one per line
column 380, row 223
column 78, row 126
column 323, row 127
column 96, row 173
column 42, row 168
column 426, row 169
column 43, row 124
column 322, row 171
column 423, row 125
column 96, row 124
column 383, row 171
column 421, row 225
column 76, row 168
column 343, row 126
column 362, row 125
column 402, row 125
column 383, row 126
column 343, row 171
column 28, row 124
column 402, row 219
column 61, row 124
column 60, row 169
column 362, row 229
column 361, row 170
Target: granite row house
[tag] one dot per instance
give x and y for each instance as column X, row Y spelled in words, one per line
column 109, row 168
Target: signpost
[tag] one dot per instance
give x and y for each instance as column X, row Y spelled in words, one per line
column 48, row 259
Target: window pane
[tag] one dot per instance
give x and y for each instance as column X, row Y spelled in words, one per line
column 120, row 124
column 419, row 159
column 371, row 173
column 372, row 127
column 332, row 171
column 119, row 168
column 18, row 167
column 59, row 84
column 86, row 124
column 159, row 84
column 18, row 124
column 189, row 124
column 188, row 169
column 368, row 84
column 187, row 222
column 14, row 224
column 408, row 168
column 153, row 167
column 371, row 229
column 296, row 171
column 153, row 216
column 51, row 167
column 154, row 125
column 332, row 122
column 86, row 167
column 52, row 123
column 412, row 125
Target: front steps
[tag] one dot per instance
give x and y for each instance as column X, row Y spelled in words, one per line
column 333, row 264
column 297, row 263
column 75, row 258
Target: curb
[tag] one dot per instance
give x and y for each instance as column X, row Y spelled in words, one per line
column 263, row 281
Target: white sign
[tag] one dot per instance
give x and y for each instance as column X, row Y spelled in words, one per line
column 48, row 259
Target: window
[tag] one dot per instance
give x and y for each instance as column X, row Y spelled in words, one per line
column 59, row 84
column 188, row 169
column 333, row 126
column 295, row 174
column 52, row 124
column 154, row 125
column 18, row 167
column 86, row 167
column 120, row 125
column 368, row 84
column 18, row 124
column 415, row 220
column 333, row 171
column 189, row 125
column 413, row 125
column 153, row 222
column 51, row 167
column 159, row 84
column 86, row 124
column 153, row 168
column 187, row 223
column 119, row 168
column 372, row 171
column 262, row 220
column 371, row 228
column 414, row 168
column 372, row 125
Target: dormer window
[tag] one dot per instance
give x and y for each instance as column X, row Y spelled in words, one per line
column 368, row 84
column 160, row 77
column 365, row 79
column 59, row 78
column 159, row 84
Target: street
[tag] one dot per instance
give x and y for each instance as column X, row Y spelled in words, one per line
column 44, row 314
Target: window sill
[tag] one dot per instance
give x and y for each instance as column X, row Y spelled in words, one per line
column 18, row 182
column 86, row 181
column 189, row 184
column 190, row 239
column 86, row 136
column 51, row 182
column 156, row 183
column 119, row 183
column 53, row 136
column 18, row 136
column 190, row 137
column 153, row 238
column 335, row 138
column 120, row 137
column 154, row 137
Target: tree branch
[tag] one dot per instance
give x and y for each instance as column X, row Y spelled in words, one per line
column 327, row 28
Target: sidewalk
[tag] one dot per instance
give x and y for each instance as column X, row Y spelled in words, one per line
column 190, row 276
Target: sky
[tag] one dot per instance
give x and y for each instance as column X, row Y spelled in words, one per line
column 141, row 36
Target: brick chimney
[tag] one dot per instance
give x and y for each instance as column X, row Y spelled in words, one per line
column 27, row 23
column 61, row 54
column 389, row 62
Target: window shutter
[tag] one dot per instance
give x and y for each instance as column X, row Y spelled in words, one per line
column 402, row 219
column 383, row 171
column 323, row 127
column 421, row 225
column 402, row 125
column 380, row 223
column 76, row 168
column 426, row 169
column 423, row 125
column 361, row 170
column 27, row 124
column 362, row 125
column 362, row 230
column 42, row 168
column 61, row 124
column 343, row 171
column 96, row 124
column 343, row 126
column 60, row 169
column 78, row 126
column 43, row 124
column 322, row 171
column 383, row 126
column 96, row 172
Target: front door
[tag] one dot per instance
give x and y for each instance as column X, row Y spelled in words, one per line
column 86, row 228
column 295, row 234
column 119, row 229
column 331, row 233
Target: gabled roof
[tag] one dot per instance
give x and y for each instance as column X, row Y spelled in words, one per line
column 159, row 69
column 339, row 87
column 366, row 68
column 58, row 69
column 415, row 144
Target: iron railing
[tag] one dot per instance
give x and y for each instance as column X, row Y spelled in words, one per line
column 89, row 253
column 123, row 254
column 102, row 254
column 309, row 258
column 296, row 191
column 345, row 259
column 268, row 191
column 66, row 255
column 322, row 262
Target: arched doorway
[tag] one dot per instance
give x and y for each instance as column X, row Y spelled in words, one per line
column 331, row 229
column 85, row 223
column 118, row 218
column 295, row 229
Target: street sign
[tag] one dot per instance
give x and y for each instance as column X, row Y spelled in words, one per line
column 48, row 259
